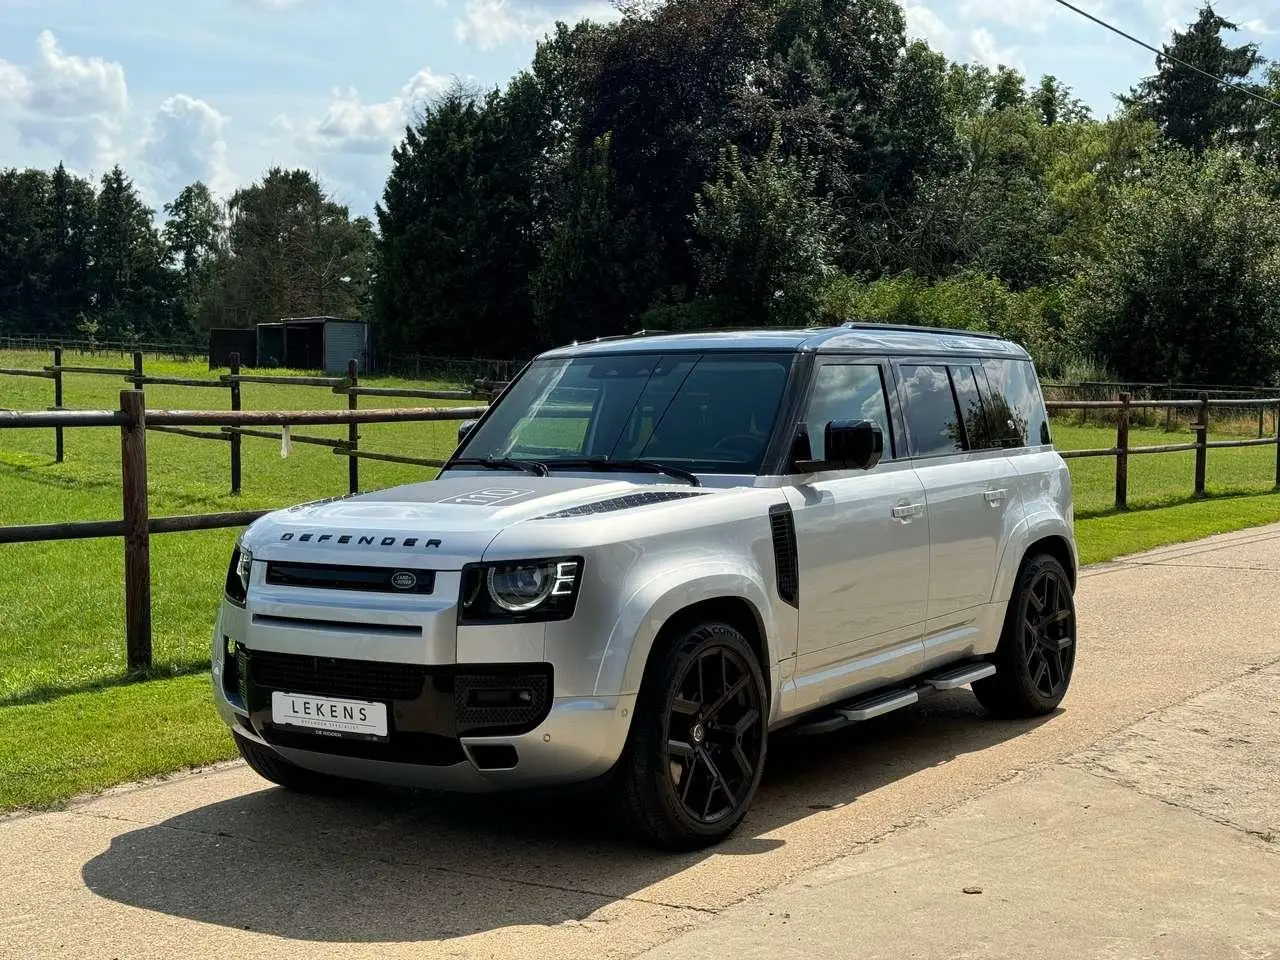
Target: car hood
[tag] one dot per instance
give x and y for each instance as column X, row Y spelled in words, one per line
column 442, row 523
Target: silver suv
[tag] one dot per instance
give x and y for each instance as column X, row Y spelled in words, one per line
column 652, row 554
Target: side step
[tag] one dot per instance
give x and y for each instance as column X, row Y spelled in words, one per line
column 962, row 676
column 878, row 705
column 886, row 701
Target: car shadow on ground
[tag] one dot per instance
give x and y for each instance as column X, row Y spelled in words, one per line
column 395, row 866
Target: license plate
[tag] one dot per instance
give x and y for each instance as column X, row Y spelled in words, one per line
column 329, row 714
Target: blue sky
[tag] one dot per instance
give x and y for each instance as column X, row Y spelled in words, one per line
column 221, row 89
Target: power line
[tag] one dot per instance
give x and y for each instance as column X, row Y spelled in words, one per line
column 1160, row 53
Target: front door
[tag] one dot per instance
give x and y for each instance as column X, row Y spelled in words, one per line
column 863, row 546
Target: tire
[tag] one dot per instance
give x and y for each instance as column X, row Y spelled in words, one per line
column 698, row 740
column 269, row 765
column 1037, row 651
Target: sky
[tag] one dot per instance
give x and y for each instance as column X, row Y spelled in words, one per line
column 220, row 90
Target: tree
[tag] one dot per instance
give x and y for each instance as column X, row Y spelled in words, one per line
column 195, row 237
column 1186, row 286
column 72, row 202
column 24, row 249
column 1193, row 110
column 132, row 290
column 291, row 251
column 765, row 243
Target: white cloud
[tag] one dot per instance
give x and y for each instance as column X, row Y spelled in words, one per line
column 186, row 141
column 986, row 50
column 489, row 24
column 1259, row 27
column 927, row 25
column 74, row 104
column 352, row 126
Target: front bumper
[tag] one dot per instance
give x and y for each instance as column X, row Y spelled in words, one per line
column 436, row 740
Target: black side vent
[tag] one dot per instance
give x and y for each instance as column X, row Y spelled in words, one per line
column 620, row 503
column 785, row 561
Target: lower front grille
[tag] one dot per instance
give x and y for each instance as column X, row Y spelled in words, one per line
column 501, row 703
column 327, row 676
column 429, row 707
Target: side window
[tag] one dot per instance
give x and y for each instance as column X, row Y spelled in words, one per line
column 929, row 407
column 977, row 427
column 847, row 391
column 1017, row 413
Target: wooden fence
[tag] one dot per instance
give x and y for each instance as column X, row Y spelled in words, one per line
column 1122, row 451
column 137, row 525
column 348, row 385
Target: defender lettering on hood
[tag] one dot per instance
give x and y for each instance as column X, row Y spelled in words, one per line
column 362, row 540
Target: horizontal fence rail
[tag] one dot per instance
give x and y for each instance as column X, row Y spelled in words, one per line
column 136, row 526
column 481, row 390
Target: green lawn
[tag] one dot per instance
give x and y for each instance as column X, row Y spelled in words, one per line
column 70, row 721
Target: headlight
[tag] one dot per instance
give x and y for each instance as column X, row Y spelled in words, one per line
column 238, row 573
column 520, row 591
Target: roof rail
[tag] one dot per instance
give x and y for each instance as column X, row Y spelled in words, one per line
column 910, row 328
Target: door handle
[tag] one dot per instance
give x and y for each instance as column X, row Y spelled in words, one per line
column 905, row 511
column 996, row 497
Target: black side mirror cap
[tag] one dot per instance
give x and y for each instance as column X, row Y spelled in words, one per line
column 847, row 445
column 465, row 428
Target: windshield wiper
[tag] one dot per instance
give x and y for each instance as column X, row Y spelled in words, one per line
column 503, row 463
column 646, row 466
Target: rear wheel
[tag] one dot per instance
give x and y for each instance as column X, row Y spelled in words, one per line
column 1037, row 651
column 269, row 765
column 698, row 740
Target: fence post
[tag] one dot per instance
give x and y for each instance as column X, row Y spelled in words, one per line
column 137, row 544
column 58, row 447
column 1202, row 438
column 1278, row 445
column 1262, row 426
column 137, row 370
column 1122, row 454
column 353, row 433
column 235, row 437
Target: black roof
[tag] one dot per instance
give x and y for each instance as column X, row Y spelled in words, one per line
column 865, row 338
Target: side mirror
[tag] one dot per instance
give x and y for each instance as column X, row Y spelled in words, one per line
column 853, row 445
column 465, row 428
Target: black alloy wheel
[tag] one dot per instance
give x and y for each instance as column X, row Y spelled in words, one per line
column 1037, row 652
column 715, row 729
column 1049, row 634
column 698, row 740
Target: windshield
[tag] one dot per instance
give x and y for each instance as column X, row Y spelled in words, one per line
column 710, row 413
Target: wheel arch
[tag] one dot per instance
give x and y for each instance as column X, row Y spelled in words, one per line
column 1045, row 533
column 681, row 598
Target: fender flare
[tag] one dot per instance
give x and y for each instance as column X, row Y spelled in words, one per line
column 1030, row 529
column 647, row 611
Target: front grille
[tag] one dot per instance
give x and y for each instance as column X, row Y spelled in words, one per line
column 326, row 576
column 326, row 676
column 494, row 703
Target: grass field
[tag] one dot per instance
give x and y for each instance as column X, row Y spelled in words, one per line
column 70, row 721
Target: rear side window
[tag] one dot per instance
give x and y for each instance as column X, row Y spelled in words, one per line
column 929, row 407
column 1015, row 406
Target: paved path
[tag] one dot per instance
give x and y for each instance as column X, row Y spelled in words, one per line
column 1142, row 820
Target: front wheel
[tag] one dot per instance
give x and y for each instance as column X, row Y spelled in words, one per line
column 698, row 740
column 1037, row 651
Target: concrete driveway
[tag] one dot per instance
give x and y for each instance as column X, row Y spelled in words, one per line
column 1142, row 820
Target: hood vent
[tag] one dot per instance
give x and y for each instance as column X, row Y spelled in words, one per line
column 621, row 503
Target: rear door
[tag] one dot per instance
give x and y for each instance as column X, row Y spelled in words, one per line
column 968, row 486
